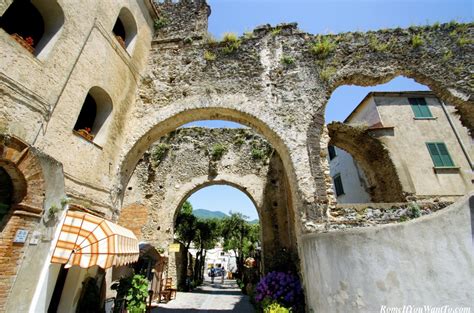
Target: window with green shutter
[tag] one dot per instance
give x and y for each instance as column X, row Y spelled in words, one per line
column 439, row 154
column 338, row 185
column 420, row 108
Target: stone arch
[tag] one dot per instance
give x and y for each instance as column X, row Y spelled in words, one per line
column 22, row 164
column 240, row 183
column 230, row 107
column 164, row 187
column 24, row 168
column 371, row 155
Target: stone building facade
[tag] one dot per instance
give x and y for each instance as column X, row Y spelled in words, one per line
column 150, row 81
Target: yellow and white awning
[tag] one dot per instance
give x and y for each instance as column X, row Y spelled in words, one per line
column 87, row 240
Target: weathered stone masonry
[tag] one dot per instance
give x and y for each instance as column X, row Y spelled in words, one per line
column 185, row 161
column 284, row 102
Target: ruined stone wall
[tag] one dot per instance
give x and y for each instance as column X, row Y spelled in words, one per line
column 186, row 161
column 278, row 81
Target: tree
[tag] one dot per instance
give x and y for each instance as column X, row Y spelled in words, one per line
column 185, row 230
column 206, row 237
column 239, row 236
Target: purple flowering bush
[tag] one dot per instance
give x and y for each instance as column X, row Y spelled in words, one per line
column 284, row 288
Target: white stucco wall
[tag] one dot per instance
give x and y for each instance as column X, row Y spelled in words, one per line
column 426, row 261
column 353, row 179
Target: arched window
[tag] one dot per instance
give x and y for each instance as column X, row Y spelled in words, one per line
column 33, row 24
column 125, row 29
column 94, row 115
column 6, row 195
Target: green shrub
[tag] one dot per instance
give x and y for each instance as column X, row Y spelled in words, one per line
column 209, row 56
column 135, row 291
column 276, row 31
column 160, row 22
column 257, row 154
column 376, row 45
column 137, row 294
column 462, row 41
column 232, row 43
column 417, row 41
column 159, row 152
column 287, row 60
column 414, row 210
column 217, row 151
column 230, row 37
column 322, row 48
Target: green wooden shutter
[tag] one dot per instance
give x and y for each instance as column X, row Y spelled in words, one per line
column 445, row 157
column 440, row 155
column 419, row 107
column 435, row 154
column 424, row 109
column 415, row 107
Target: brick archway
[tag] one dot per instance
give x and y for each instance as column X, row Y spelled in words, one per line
column 23, row 166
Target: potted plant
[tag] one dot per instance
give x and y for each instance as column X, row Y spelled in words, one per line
column 26, row 43
column 86, row 133
column 134, row 290
column 121, row 41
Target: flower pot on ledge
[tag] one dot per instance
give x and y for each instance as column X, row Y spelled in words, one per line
column 121, row 41
column 23, row 43
column 85, row 134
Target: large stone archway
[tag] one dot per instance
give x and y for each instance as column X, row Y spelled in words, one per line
column 283, row 101
column 162, row 186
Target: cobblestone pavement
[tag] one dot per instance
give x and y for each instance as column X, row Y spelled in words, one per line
column 209, row 298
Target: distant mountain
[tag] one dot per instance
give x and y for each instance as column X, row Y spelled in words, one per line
column 206, row 214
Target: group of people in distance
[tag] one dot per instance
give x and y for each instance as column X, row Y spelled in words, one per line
column 217, row 271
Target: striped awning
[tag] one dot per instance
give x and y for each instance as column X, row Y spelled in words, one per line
column 87, row 240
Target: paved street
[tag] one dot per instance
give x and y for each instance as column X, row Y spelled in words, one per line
column 212, row 298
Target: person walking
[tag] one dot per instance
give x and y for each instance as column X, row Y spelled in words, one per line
column 213, row 274
column 223, row 275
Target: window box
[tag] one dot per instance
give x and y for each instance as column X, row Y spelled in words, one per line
column 27, row 44
column 446, row 169
column 425, row 118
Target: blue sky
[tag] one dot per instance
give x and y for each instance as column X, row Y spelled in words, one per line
column 317, row 16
